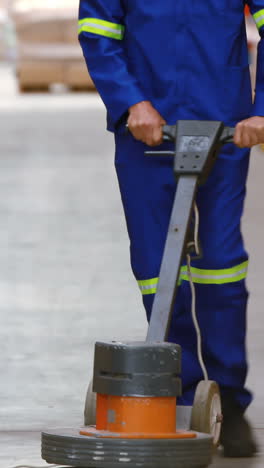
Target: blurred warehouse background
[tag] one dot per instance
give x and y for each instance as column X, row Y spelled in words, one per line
column 39, row 39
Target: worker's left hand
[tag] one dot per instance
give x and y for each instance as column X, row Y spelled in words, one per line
column 249, row 132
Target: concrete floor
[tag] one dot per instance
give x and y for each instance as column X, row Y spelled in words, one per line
column 64, row 278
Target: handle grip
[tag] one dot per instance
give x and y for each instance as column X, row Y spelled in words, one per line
column 228, row 135
column 169, row 132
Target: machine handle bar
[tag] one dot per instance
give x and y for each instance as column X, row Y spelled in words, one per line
column 169, row 134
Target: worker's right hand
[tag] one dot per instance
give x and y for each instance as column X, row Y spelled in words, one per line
column 145, row 123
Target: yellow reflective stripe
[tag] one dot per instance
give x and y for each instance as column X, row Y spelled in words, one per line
column 259, row 18
column 148, row 286
column 102, row 28
column 205, row 280
column 217, row 273
column 145, row 292
column 148, row 282
column 224, row 276
column 258, row 14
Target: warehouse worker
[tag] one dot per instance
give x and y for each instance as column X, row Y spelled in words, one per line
column 160, row 61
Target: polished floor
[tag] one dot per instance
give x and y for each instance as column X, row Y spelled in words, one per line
column 65, row 279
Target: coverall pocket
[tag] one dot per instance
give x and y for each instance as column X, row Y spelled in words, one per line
column 237, row 99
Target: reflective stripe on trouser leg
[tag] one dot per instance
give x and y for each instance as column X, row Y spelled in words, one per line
column 227, row 275
column 147, row 188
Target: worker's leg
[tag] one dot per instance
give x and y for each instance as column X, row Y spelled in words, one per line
column 222, row 296
column 220, row 275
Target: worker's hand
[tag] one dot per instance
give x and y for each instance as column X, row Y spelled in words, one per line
column 249, row 132
column 145, row 123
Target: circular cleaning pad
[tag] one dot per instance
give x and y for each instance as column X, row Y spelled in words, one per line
column 69, row 448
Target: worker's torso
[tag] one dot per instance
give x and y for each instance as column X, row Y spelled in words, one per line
column 190, row 57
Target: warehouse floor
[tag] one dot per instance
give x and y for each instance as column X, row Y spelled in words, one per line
column 65, row 279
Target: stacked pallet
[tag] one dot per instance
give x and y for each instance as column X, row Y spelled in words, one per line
column 48, row 50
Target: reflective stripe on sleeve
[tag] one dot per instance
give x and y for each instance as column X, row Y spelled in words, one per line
column 259, row 18
column 101, row 28
column 227, row 275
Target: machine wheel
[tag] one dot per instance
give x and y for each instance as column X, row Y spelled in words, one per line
column 69, row 448
column 207, row 411
column 90, row 407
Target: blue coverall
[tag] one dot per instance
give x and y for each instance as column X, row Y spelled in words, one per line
column 190, row 60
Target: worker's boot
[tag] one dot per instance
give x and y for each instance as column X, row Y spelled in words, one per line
column 236, row 434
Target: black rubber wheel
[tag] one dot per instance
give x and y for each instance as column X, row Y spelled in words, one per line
column 90, row 407
column 69, row 448
column 207, row 412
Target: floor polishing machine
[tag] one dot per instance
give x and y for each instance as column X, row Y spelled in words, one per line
column 131, row 414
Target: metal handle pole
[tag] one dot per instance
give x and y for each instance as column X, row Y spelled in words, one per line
column 172, row 259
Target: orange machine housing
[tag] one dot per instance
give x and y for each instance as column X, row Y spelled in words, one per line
column 136, row 417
